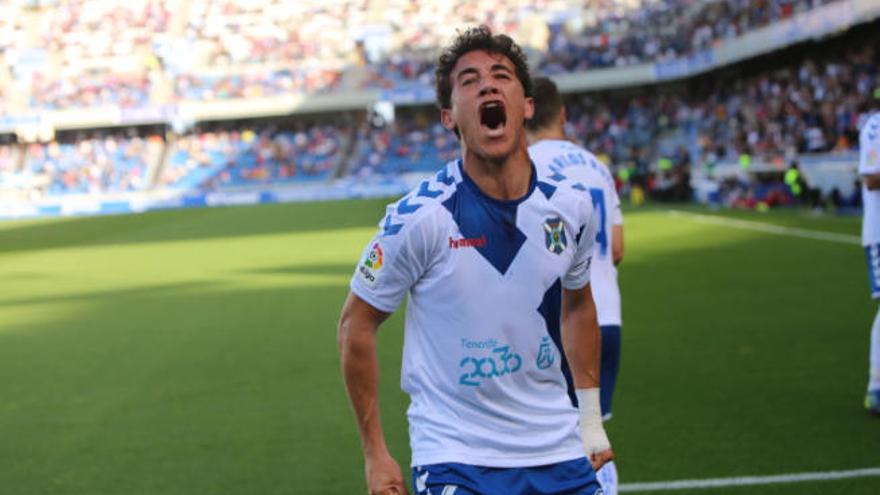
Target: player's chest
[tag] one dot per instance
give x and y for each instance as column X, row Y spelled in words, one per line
column 537, row 244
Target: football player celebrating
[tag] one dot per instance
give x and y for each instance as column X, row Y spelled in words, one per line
column 501, row 341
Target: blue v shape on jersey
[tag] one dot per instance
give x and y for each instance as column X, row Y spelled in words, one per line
column 477, row 214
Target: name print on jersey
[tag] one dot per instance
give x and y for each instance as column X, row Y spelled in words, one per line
column 502, row 362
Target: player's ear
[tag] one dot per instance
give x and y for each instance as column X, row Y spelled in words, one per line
column 562, row 116
column 447, row 122
column 446, row 119
column 530, row 108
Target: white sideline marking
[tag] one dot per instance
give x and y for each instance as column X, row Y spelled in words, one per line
column 748, row 480
column 770, row 228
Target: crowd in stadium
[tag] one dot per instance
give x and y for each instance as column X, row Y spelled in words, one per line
column 249, row 156
column 411, row 144
column 105, row 53
column 196, row 87
column 806, row 107
column 102, row 163
column 85, row 91
column 656, row 31
column 238, row 49
column 98, row 53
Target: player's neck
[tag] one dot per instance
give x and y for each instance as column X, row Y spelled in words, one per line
column 547, row 134
column 506, row 180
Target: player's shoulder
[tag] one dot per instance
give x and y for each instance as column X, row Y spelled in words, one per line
column 554, row 154
column 566, row 161
column 422, row 202
column 549, row 147
column 566, row 192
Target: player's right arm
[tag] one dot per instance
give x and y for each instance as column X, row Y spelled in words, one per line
column 356, row 339
column 391, row 264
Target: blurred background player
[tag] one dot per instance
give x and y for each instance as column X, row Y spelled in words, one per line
column 869, row 169
column 556, row 158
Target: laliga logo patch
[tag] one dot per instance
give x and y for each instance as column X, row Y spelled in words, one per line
column 554, row 235
column 374, row 260
column 373, row 263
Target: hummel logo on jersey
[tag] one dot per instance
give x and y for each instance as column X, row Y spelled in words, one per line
column 555, row 235
column 464, row 242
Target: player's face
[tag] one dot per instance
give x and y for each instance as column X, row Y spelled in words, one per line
column 488, row 105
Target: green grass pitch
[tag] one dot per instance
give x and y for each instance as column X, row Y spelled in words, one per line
column 193, row 352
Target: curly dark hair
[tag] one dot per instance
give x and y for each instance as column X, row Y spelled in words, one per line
column 478, row 38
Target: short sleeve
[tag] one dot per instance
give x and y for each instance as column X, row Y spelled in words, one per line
column 869, row 147
column 391, row 264
column 578, row 274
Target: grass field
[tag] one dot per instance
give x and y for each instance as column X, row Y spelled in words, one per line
column 193, row 352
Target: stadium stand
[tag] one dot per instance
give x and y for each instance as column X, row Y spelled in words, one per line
column 89, row 90
column 72, row 67
column 7, row 160
column 412, row 144
column 259, row 155
column 97, row 53
column 620, row 34
column 103, row 163
column 270, row 83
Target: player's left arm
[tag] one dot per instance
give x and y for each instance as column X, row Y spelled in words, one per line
column 581, row 342
column 616, row 218
column 617, row 243
column 871, row 181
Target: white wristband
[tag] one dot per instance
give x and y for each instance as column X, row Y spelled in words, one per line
column 592, row 430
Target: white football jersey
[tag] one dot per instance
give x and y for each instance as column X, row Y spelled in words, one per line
column 482, row 355
column 558, row 160
column 869, row 164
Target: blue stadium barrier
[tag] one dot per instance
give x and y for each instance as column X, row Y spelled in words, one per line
column 88, row 205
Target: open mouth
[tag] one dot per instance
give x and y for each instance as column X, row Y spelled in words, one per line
column 492, row 115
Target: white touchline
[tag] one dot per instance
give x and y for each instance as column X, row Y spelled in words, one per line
column 748, row 480
column 770, row 228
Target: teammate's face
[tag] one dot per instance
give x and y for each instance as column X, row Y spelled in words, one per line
column 488, row 105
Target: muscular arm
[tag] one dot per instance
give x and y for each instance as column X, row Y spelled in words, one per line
column 872, row 181
column 617, row 244
column 356, row 340
column 581, row 342
column 581, row 339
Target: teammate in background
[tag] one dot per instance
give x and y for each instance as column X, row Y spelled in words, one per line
column 500, row 322
column 557, row 159
column 869, row 169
